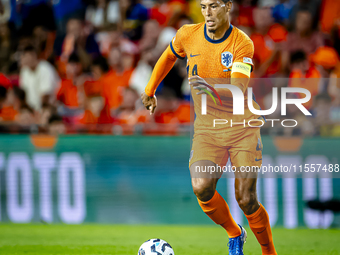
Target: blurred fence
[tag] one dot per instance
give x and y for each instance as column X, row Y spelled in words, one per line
column 139, row 180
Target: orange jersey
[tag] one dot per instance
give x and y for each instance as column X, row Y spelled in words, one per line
column 8, row 113
column 330, row 12
column 309, row 81
column 113, row 86
column 68, row 93
column 264, row 46
column 211, row 59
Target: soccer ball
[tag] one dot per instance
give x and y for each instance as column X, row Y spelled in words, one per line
column 155, row 247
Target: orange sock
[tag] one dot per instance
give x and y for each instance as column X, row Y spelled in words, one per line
column 218, row 210
column 259, row 224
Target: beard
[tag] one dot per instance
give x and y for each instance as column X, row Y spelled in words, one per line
column 213, row 31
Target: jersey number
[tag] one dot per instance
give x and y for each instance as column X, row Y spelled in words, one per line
column 194, row 71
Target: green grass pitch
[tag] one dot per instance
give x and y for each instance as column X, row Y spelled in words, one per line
column 126, row 239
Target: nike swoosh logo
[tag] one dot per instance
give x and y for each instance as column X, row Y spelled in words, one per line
column 258, row 159
column 192, row 56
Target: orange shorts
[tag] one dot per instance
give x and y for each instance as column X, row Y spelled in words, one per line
column 244, row 148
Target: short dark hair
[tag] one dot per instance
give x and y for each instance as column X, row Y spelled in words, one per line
column 29, row 49
column 26, row 107
column 74, row 58
column 55, row 118
column 20, row 94
column 297, row 57
column 3, row 93
column 102, row 63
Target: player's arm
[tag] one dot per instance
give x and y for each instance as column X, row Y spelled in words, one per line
column 243, row 64
column 162, row 68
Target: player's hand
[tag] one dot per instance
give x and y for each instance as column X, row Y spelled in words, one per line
column 199, row 84
column 150, row 103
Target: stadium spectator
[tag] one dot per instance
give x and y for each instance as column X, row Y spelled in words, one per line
column 300, row 66
column 103, row 14
column 15, row 113
column 150, row 36
column 303, row 37
column 167, row 11
column 110, row 38
column 97, row 116
column 170, row 110
column 71, row 91
column 133, row 15
column 168, row 33
column 282, row 11
column 175, row 79
column 25, row 117
column 312, row 6
column 268, row 38
column 245, row 13
column 302, row 69
column 11, row 106
column 38, row 79
column 329, row 15
column 99, row 69
column 56, row 125
column 43, row 41
column 118, row 78
column 326, row 61
column 78, row 39
column 19, row 98
column 142, row 73
column 93, row 108
column 46, row 112
column 128, row 112
column 66, row 9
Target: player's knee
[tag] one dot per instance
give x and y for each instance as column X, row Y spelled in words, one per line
column 247, row 202
column 204, row 188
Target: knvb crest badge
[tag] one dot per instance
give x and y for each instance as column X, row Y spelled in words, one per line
column 227, row 59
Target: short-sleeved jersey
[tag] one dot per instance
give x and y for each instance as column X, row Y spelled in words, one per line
column 210, row 58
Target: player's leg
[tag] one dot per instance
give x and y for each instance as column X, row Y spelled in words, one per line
column 246, row 196
column 248, row 152
column 211, row 202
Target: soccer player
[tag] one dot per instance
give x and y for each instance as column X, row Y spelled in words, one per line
column 216, row 49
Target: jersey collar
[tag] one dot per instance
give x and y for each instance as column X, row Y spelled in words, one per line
column 226, row 35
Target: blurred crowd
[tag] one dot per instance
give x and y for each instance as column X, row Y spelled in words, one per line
column 79, row 66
